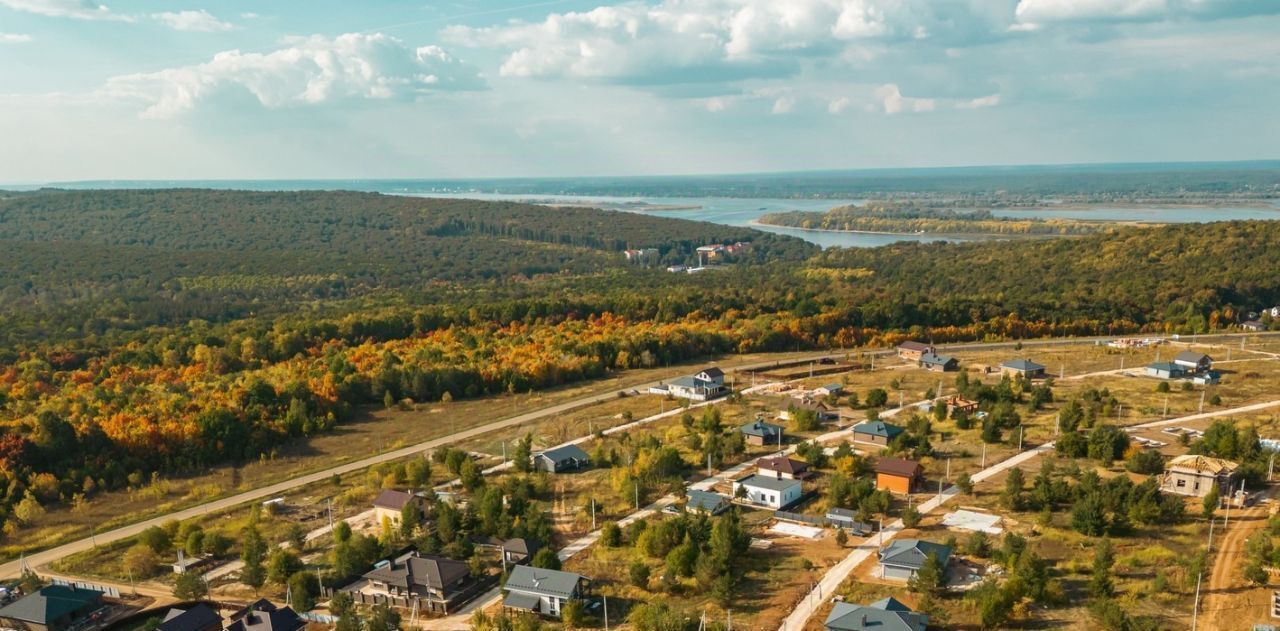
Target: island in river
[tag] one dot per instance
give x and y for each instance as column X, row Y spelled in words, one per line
column 910, row 218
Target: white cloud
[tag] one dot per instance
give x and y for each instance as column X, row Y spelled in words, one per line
column 1031, row 14
column 676, row 41
column 198, row 21
column 990, row 100
column 783, row 105
column 78, row 9
column 892, row 101
column 716, row 104
column 249, row 16
column 14, row 38
column 838, row 105
column 308, row 71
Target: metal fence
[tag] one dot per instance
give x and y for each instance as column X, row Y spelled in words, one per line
column 106, row 590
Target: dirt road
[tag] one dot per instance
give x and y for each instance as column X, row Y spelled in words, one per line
column 1228, row 601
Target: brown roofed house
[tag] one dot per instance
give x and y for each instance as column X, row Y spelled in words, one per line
column 1197, row 475
column 390, row 503
column 783, row 468
column 897, row 475
column 913, row 351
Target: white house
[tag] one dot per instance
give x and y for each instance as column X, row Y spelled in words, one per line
column 704, row 386
column 768, row 491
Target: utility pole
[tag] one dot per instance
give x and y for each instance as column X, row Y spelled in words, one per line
column 606, row 613
column 1195, row 610
column 1209, row 548
column 1271, row 466
column 1020, row 428
column 948, row 468
column 593, row 513
column 328, row 503
column 1202, row 399
column 984, row 455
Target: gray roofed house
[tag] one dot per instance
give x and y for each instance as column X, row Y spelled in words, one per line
column 829, row 389
column 543, row 591
column 761, row 432
column 707, row 384
column 51, row 608
column 563, row 458
column 198, row 617
column 1165, row 370
column 939, row 363
column 888, row 614
column 768, row 491
column 519, row 550
column 1193, row 361
column 707, row 502
column 901, row 559
column 424, row 576
column 265, row 616
column 876, row 432
column 1024, row 367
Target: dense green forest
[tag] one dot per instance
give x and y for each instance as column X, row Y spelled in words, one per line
column 169, row 330
column 910, row 217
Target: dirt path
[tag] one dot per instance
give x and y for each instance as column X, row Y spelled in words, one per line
column 1225, row 603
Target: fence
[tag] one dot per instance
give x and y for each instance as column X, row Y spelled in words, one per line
column 106, row 590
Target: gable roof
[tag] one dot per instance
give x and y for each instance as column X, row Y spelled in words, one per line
column 768, row 483
column 195, row 618
column 1165, row 366
column 898, row 466
column 888, row 614
column 1022, row 365
column 706, row 501
column 912, row 553
column 50, row 603
column 932, row 359
column 1191, row 357
column 911, row 345
column 1203, row 464
column 878, row 428
column 264, row 616
column 520, row 545
column 763, row 429
column 712, row 372
column 393, row 499
column 566, row 452
column 415, row 568
column 783, row 464
column 541, row 581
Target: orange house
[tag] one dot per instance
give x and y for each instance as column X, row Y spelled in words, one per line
column 897, row 475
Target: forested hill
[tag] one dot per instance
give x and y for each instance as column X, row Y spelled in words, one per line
column 161, row 256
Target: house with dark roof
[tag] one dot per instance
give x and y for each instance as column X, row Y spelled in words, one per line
column 390, row 504
column 768, row 491
column 902, row 558
column 705, row 385
column 51, row 608
column 939, row 363
column 1194, row 362
column 897, row 475
column 706, row 502
column 563, row 458
column 848, row 520
column 424, row 577
column 782, row 468
column 519, row 550
column 265, row 616
column 888, row 614
column 1023, row 367
column 760, row 432
column 913, row 351
column 876, row 433
column 543, row 591
column 1253, row 325
column 198, row 617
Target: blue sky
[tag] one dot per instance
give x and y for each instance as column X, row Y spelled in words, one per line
column 189, row 89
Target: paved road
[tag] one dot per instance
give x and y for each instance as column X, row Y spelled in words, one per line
column 13, row 568
column 834, row 577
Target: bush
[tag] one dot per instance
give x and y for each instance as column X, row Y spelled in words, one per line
column 639, row 574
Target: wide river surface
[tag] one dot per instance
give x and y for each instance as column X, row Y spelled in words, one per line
column 744, row 211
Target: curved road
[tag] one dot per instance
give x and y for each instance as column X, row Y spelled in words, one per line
column 44, row 557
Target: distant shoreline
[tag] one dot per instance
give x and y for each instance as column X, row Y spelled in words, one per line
column 969, row 236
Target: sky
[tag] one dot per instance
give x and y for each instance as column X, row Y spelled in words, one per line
column 198, row 89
